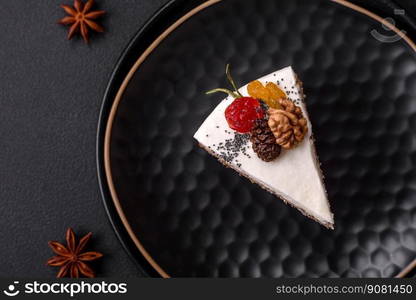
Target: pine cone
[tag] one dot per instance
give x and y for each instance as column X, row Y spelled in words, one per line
column 264, row 142
column 288, row 124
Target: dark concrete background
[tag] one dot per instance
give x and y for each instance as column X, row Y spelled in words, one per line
column 50, row 96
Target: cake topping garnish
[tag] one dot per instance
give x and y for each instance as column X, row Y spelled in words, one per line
column 268, row 117
column 264, row 142
column 287, row 124
column 270, row 94
column 242, row 113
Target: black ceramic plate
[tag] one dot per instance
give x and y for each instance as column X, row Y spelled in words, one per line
column 181, row 213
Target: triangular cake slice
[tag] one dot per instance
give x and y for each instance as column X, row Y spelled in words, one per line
column 295, row 176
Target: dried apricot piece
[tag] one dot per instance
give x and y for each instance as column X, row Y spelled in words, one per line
column 274, row 103
column 275, row 91
column 270, row 94
column 257, row 90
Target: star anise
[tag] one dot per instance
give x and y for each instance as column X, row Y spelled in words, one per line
column 81, row 19
column 71, row 259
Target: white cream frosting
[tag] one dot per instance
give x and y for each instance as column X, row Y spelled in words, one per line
column 295, row 175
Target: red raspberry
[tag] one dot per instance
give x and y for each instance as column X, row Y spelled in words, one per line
column 242, row 113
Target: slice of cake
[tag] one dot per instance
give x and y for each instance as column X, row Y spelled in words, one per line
column 263, row 131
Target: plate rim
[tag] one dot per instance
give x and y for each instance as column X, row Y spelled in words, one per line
column 111, row 202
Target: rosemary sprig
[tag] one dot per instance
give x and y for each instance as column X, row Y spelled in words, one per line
column 227, row 91
column 235, row 93
column 231, row 80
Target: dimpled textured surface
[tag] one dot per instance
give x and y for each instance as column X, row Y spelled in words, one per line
column 197, row 218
